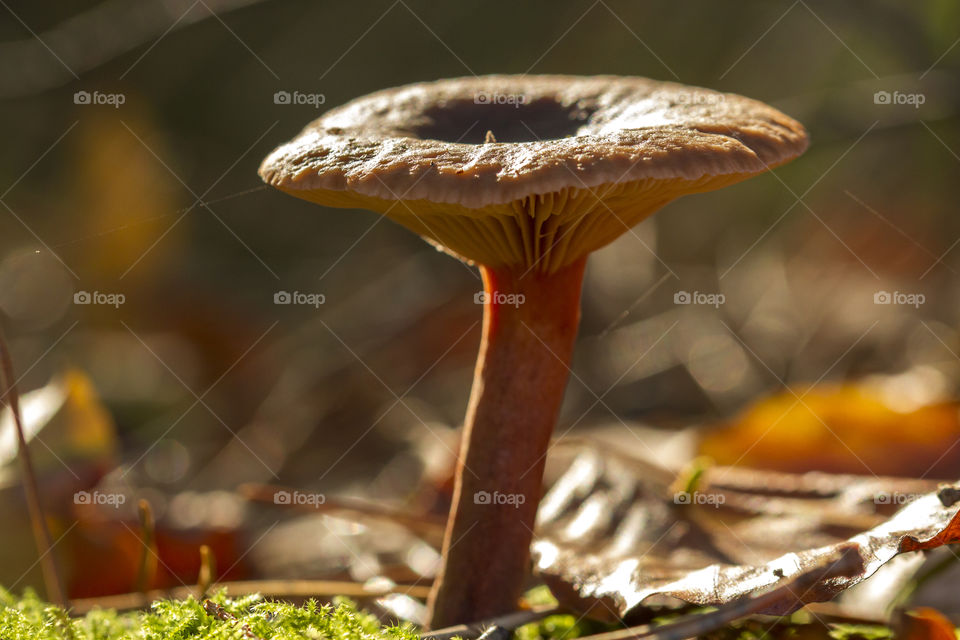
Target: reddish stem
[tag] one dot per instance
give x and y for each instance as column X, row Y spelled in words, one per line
column 529, row 327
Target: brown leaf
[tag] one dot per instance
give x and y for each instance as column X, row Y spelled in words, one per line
column 699, row 624
column 609, row 539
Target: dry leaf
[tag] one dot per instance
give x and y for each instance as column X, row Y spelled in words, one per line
column 609, row 539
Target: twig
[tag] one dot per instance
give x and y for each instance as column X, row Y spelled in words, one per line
column 813, row 486
column 147, row 569
column 426, row 525
column 507, row 623
column 848, row 562
column 288, row 589
column 208, row 570
column 48, row 564
column 836, row 612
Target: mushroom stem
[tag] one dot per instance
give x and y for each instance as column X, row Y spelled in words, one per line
column 529, row 328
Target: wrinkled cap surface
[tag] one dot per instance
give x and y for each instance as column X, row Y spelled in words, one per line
column 569, row 164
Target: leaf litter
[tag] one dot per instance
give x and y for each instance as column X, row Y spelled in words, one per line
column 613, row 537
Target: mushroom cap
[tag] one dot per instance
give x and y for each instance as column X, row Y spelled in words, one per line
column 530, row 171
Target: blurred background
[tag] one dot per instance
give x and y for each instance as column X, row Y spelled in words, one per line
column 140, row 257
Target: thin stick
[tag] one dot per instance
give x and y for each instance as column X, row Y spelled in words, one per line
column 507, row 622
column 48, row 564
column 836, row 612
column 147, row 569
column 208, row 570
column 423, row 524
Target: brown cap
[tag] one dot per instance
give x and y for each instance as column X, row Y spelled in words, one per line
column 530, row 170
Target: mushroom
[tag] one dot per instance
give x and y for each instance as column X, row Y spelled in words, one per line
column 523, row 176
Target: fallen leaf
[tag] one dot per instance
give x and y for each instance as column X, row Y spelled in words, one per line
column 924, row 623
column 845, row 563
column 609, row 539
column 841, row 429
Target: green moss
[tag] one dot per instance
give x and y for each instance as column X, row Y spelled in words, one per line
column 222, row 618
column 251, row 617
column 860, row 632
column 558, row 627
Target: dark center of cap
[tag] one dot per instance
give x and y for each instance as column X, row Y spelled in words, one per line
column 511, row 118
